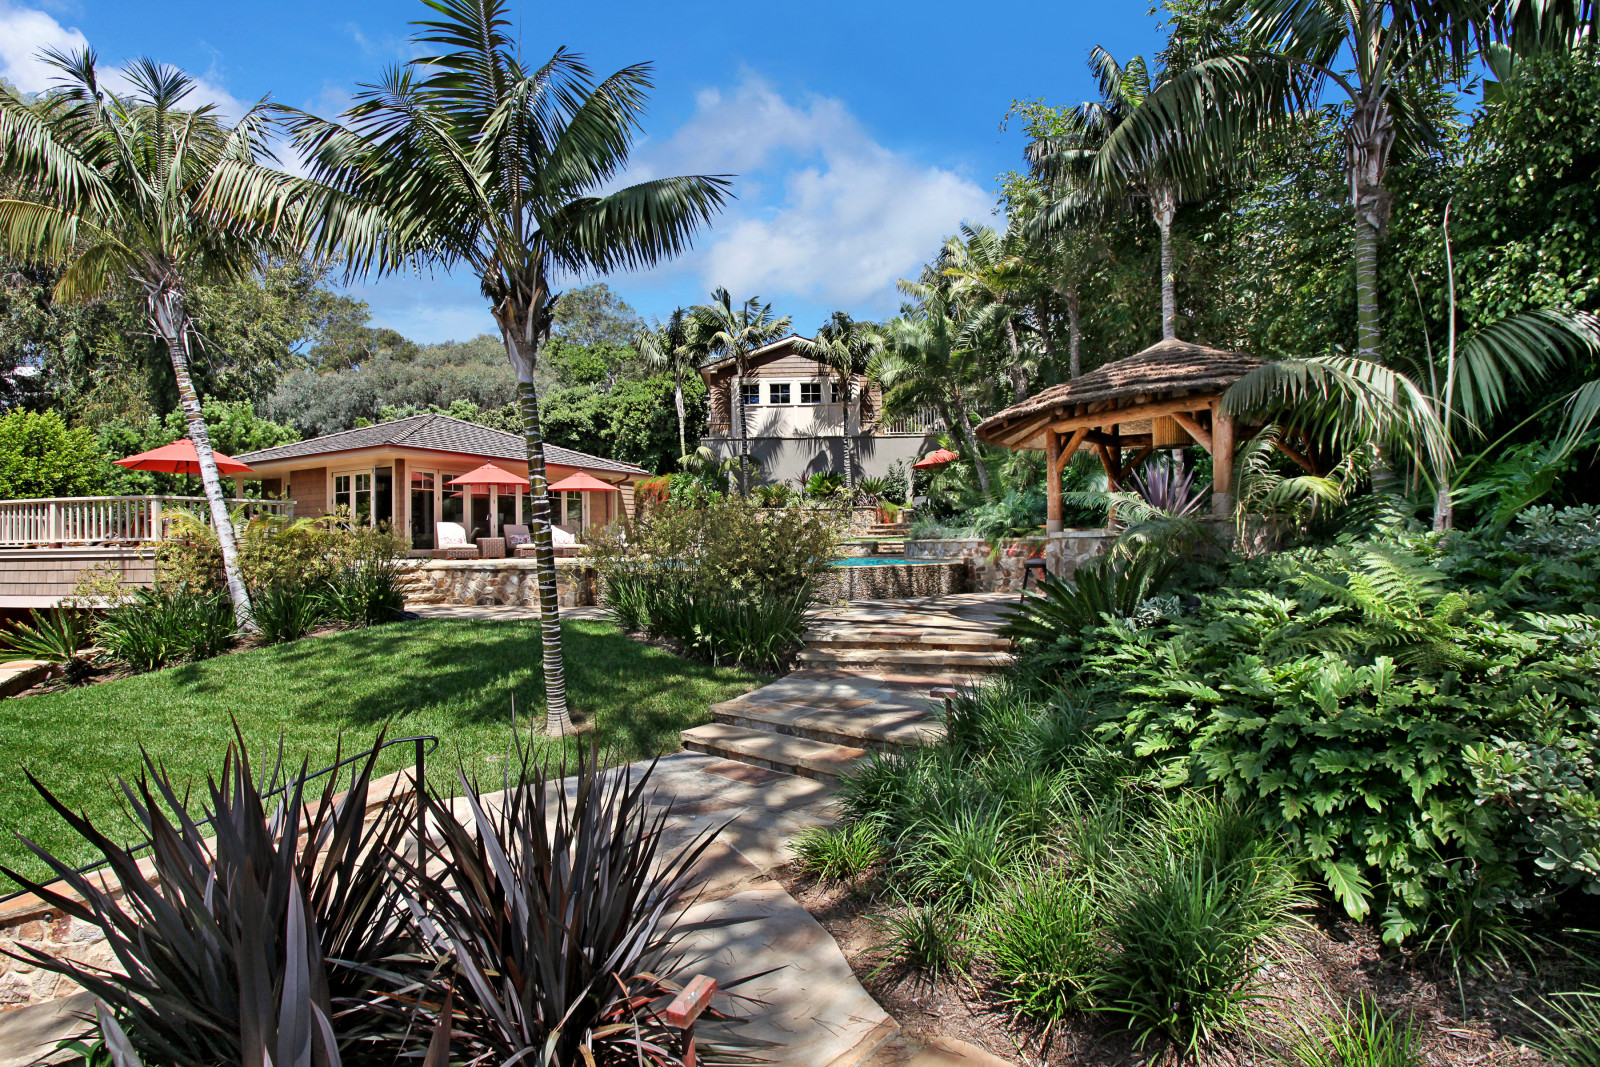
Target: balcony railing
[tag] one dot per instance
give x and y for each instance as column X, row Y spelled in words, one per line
column 89, row 520
column 924, row 421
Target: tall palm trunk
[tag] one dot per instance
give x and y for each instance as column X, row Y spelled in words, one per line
column 523, row 352
column 847, row 441
column 1046, row 335
column 164, row 301
column 1074, row 334
column 1164, row 208
column 1367, row 144
column 964, row 428
column 744, row 432
column 1019, row 373
column 677, row 402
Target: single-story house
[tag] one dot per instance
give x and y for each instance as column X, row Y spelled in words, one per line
column 795, row 412
column 396, row 471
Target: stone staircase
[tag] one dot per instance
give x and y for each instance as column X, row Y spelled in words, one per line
column 891, row 537
column 865, row 685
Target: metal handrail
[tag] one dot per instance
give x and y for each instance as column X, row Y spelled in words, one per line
column 419, row 741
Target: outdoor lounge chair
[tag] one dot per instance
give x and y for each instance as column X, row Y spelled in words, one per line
column 565, row 543
column 451, row 537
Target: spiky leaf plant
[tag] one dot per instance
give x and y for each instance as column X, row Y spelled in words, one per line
column 60, row 637
column 1106, row 587
column 250, row 932
column 553, row 900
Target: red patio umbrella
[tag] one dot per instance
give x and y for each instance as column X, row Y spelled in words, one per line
column 180, row 458
column 489, row 474
column 936, row 458
column 583, row 483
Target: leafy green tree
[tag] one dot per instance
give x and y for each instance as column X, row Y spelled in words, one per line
column 125, row 188
column 734, row 333
column 468, row 157
column 594, row 316
column 40, row 456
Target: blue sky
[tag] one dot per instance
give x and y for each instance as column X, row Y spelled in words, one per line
column 860, row 133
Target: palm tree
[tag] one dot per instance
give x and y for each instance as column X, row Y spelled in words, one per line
column 135, row 187
column 469, row 157
column 1070, row 164
column 995, row 284
column 1380, row 55
column 734, row 333
column 676, row 348
column 849, row 349
column 926, row 365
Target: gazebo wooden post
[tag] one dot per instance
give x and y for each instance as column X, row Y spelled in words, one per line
column 1221, row 464
column 1052, row 481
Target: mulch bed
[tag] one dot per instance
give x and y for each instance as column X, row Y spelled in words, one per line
column 1323, row 966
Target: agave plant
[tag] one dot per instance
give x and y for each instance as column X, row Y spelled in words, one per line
column 553, row 902
column 1112, row 586
column 60, row 637
column 252, row 931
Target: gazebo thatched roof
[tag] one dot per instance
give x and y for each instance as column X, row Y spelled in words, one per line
column 1163, row 376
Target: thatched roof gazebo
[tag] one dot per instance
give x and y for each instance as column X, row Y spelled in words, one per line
column 1163, row 397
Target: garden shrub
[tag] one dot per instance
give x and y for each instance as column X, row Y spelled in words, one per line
column 40, row 456
column 286, row 612
column 1378, row 713
column 273, row 551
column 156, row 627
column 725, row 578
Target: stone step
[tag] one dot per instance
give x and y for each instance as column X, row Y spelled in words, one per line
column 908, row 660
column 776, row 752
column 897, row 529
column 871, row 728
column 948, row 640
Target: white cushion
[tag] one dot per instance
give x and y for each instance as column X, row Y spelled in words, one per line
column 450, row 534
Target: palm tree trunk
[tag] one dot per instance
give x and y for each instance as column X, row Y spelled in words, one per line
column 1046, row 335
column 1368, row 140
column 1444, row 509
column 847, row 442
column 1019, row 373
column 744, row 432
column 524, row 357
column 677, row 400
column 964, row 427
column 1074, row 334
column 1164, row 208
column 171, row 322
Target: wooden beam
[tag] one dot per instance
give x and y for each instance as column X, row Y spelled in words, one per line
column 1301, row 461
column 1222, row 465
column 1134, row 413
column 1105, row 461
column 1052, row 482
column 1076, row 442
column 1138, row 458
column 1192, row 427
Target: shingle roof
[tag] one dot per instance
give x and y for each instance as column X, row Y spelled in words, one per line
column 440, row 433
column 1167, row 369
column 764, row 350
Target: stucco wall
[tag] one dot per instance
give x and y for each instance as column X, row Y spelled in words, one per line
column 790, row 459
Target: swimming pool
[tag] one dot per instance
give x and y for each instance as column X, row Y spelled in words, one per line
column 878, row 561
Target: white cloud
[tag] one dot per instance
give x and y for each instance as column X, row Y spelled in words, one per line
column 826, row 213
column 26, row 32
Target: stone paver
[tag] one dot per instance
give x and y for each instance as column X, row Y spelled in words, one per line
column 30, row 1035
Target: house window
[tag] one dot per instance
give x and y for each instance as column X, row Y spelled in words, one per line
column 354, row 491
column 835, row 393
column 752, row 393
column 778, row 393
column 810, row 392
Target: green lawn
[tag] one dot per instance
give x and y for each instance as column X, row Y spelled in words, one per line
column 454, row 678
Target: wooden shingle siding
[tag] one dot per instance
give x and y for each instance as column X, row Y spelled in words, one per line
column 308, row 488
column 55, row 573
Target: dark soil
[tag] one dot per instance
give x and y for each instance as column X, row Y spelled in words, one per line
column 1320, row 968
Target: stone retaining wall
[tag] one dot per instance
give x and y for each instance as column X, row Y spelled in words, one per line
column 512, row 582
column 991, row 571
column 892, row 581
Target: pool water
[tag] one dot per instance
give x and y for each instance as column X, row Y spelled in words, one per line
column 874, row 561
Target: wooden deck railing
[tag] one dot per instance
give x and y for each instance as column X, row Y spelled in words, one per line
column 102, row 519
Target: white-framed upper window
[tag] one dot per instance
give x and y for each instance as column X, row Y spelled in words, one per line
column 810, row 392
column 752, row 393
column 778, row 393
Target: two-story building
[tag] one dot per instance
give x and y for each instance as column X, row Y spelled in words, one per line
column 795, row 413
